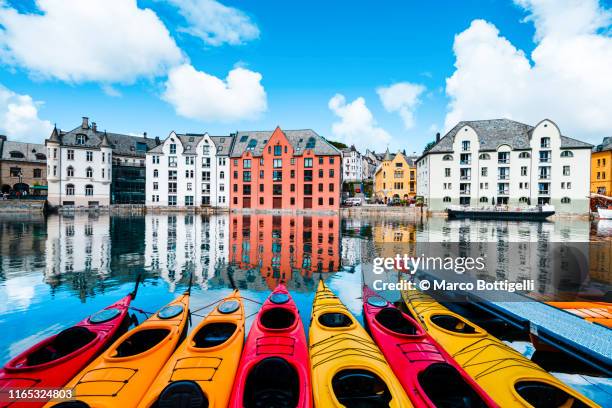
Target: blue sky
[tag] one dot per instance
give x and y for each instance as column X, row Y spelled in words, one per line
column 307, row 52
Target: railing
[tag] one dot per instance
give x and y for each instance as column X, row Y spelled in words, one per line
column 544, row 192
column 545, row 159
column 503, row 176
column 544, row 176
column 503, row 161
column 503, row 192
column 465, row 177
column 464, row 192
column 465, row 162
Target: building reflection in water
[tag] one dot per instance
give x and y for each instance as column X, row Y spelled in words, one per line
column 284, row 248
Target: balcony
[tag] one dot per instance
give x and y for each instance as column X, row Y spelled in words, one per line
column 465, row 177
column 503, row 192
column 503, row 176
column 464, row 192
column 465, row 162
column 172, row 164
column 503, row 161
column 545, row 160
column 544, row 192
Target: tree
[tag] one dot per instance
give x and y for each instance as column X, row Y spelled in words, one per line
column 428, row 146
column 337, row 145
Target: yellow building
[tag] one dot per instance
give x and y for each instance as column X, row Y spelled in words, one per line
column 395, row 177
column 601, row 168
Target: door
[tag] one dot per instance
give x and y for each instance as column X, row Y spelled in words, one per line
column 277, row 202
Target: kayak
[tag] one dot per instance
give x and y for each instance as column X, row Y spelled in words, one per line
column 596, row 312
column 419, row 363
column 506, row 375
column 52, row 362
column 122, row 374
column 347, row 367
column 273, row 371
column 201, row 371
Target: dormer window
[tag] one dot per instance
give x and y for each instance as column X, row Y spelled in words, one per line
column 311, row 143
column 465, row 145
column 16, row 155
column 251, row 145
column 545, row 142
column 173, row 148
column 80, row 139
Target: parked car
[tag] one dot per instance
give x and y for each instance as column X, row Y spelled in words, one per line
column 355, row 201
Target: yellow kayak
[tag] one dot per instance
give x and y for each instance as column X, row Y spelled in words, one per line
column 506, row 375
column 121, row 375
column 347, row 367
column 201, row 371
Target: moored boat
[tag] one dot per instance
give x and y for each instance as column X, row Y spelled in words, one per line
column 348, row 369
column 604, row 213
column 122, row 374
column 274, row 370
column 539, row 213
column 419, row 363
column 52, row 362
column 505, row 374
column 201, row 371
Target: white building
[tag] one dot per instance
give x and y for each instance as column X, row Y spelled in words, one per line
column 81, row 164
column 487, row 162
column 370, row 162
column 189, row 170
column 352, row 165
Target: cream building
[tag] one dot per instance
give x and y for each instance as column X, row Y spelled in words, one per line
column 503, row 162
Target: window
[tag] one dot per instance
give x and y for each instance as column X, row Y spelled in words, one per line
column 465, row 145
column 331, row 160
column 484, row 171
column 484, row 200
column 70, row 171
column 251, row 146
column 465, row 174
column 222, row 175
column 331, row 187
column 155, row 185
column 566, row 200
column 172, row 201
column 205, row 187
column 80, row 139
column 307, row 189
column 292, row 173
column 246, row 176
column 484, row 156
column 171, row 161
column 70, row 154
column 277, row 175
column 172, row 188
column 188, row 200
column 568, row 153
column 465, row 158
column 246, row 189
column 155, row 198
column 173, row 150
column 446, row 199
column 447, row 172
column 206, row 176
column 320, row 200
column 278, row 150
column 320, row 187
column 261, row 188
column 292, row 201
column 566, row 170
column 447, row 157
column 308, row 162
column 503, row 157
column 523, row 170
column 55, row 153
column 89, row 156
column 569, row 185
column 206, row 162
column 189, row 186
column 320, row 173
column 307, row 175
column 545, row 157
column 261, row 201
column 310, row 144
column 155, row 173
column 37, row 173
column 189, row 173
column 524, row 200
column 524, row 155
column 545, row 142
column 331, row 200
column 503, row 173
column 331, row 173
column 292, row 187
column 246, row 163
column 189, row 160
column 277, row 163
column 89, row 172
column 277, row 189
column 70, row 189
column 320, row 159
column 88, row 190
column 235, row 175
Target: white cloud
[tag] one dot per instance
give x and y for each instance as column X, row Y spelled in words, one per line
column 216, row 24
column 198, row 95
column 95, row 40
column 402, row 97
column 357, row 125
column 567, row 79
column 19, row 117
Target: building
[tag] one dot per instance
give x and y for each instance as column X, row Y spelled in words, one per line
column 291, row 170
column 87, row 167
column 601, row 168
column 352, row 165
column 503, row 162
column 371, row 161
column 395, row 178
column 23, row 167
column 189, row 170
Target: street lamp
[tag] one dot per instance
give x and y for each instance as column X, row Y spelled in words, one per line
column 20, row 181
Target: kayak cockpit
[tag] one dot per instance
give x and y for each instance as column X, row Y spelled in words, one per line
column 272, row 382
column 453, row 324
column 544, row 395
column 335, row 320
column 182, row 394
column 66, row 342
column 141, row 341
column 392, row 319
column 214, row 334
column 360, row 388
column 277, row 318
column 456, row 393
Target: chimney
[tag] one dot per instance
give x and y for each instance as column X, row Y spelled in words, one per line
column 437, row 137
column 144, row 134
column 157, row 141
column 94, row 127
column 85, row 124
column 3, row 137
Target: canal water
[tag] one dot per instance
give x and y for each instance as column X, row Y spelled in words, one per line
column 55, row 271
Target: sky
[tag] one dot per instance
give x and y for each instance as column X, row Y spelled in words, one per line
column 370, row 73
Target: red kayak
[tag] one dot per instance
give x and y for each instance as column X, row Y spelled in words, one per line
column 57, row 359
column 429, row 375
column 274, row 371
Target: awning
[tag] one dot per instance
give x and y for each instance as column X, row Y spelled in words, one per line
column 38, row 187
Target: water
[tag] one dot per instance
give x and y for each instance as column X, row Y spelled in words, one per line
column 56, row 271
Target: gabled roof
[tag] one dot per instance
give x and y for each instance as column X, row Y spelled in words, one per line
column 28, row 150
column 190, row 142
column 494, row 132
column 298, row 139
column 223, row 143
column 606, row 144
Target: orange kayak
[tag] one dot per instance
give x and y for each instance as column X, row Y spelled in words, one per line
column 596, row 312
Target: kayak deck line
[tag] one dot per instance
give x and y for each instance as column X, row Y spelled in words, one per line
column 369, row 349
column 124, row 382
column 213, row 367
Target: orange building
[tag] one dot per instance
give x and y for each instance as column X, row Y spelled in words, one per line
column 294, row 169
column 601, row 168
column 285, row 248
